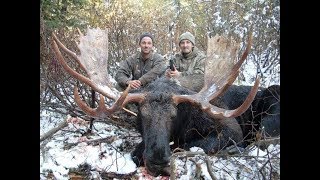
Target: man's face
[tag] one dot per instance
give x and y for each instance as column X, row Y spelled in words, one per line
column 146, row 45
column 186, row 46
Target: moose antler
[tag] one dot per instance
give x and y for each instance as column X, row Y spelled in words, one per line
column 94, row 60
column 221, row 69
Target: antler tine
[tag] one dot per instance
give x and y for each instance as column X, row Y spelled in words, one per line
column 227, row 80
column 103, row 89
column 220, row 73
column 222, row 67
column 93, row 59
column 220, row 113
column 83, row 106
column 79, row 32
column 101, row 111
column 215, row 111
column 69, row 52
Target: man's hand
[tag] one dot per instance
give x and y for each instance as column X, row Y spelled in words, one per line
column 134, row 84
column 174, row 73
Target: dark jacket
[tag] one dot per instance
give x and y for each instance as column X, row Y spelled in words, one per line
column 134, row 68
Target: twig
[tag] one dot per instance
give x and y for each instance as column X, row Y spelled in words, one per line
column 190, row 154
column 112, row 175
column 235, row 144
column 198, row 169
column 54, row 130
column 270, row 141
column 172, row 169
column 108, row 140
column 264, row 143
column 270, row 164
column 128, row 111
column 209, row 167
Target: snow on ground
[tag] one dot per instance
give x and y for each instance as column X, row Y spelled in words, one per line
column 67, row 150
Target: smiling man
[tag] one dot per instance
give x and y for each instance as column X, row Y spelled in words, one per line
column 141, row 68
column 190, row 60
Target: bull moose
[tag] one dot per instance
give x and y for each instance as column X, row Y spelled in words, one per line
column 263, row 115
column 167, row 111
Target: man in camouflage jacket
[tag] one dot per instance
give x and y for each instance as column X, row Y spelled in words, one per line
column 188, row 63
column 141, row 68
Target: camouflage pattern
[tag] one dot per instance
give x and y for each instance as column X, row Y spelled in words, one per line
column 135, row 68
column 192, row 63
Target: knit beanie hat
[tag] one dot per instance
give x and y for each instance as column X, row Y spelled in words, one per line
column 188, row 36
column 146, row 34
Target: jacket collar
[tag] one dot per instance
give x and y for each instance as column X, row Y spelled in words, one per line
column 150, row 58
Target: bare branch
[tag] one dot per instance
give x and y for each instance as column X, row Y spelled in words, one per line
column 54, row 130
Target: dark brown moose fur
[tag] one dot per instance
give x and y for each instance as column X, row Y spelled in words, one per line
column 160, row 121
column 264, row 111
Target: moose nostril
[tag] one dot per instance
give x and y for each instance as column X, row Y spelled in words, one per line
column 157, row 169
column 166, row 171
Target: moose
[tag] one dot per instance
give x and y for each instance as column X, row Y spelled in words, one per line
column 167, row 111
column 262, row 115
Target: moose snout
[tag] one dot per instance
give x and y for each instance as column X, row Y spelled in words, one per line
column 157, row 162
column 156, row 170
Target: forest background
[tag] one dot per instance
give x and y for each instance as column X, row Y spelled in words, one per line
column 166, row 20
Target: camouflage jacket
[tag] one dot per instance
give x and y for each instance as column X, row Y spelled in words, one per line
column 134, row 68
column 192, row 64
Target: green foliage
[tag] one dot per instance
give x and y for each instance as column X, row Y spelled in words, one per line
column 59, row 14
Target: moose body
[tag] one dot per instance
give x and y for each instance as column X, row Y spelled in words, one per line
column 264, row 111
column 160, row 121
